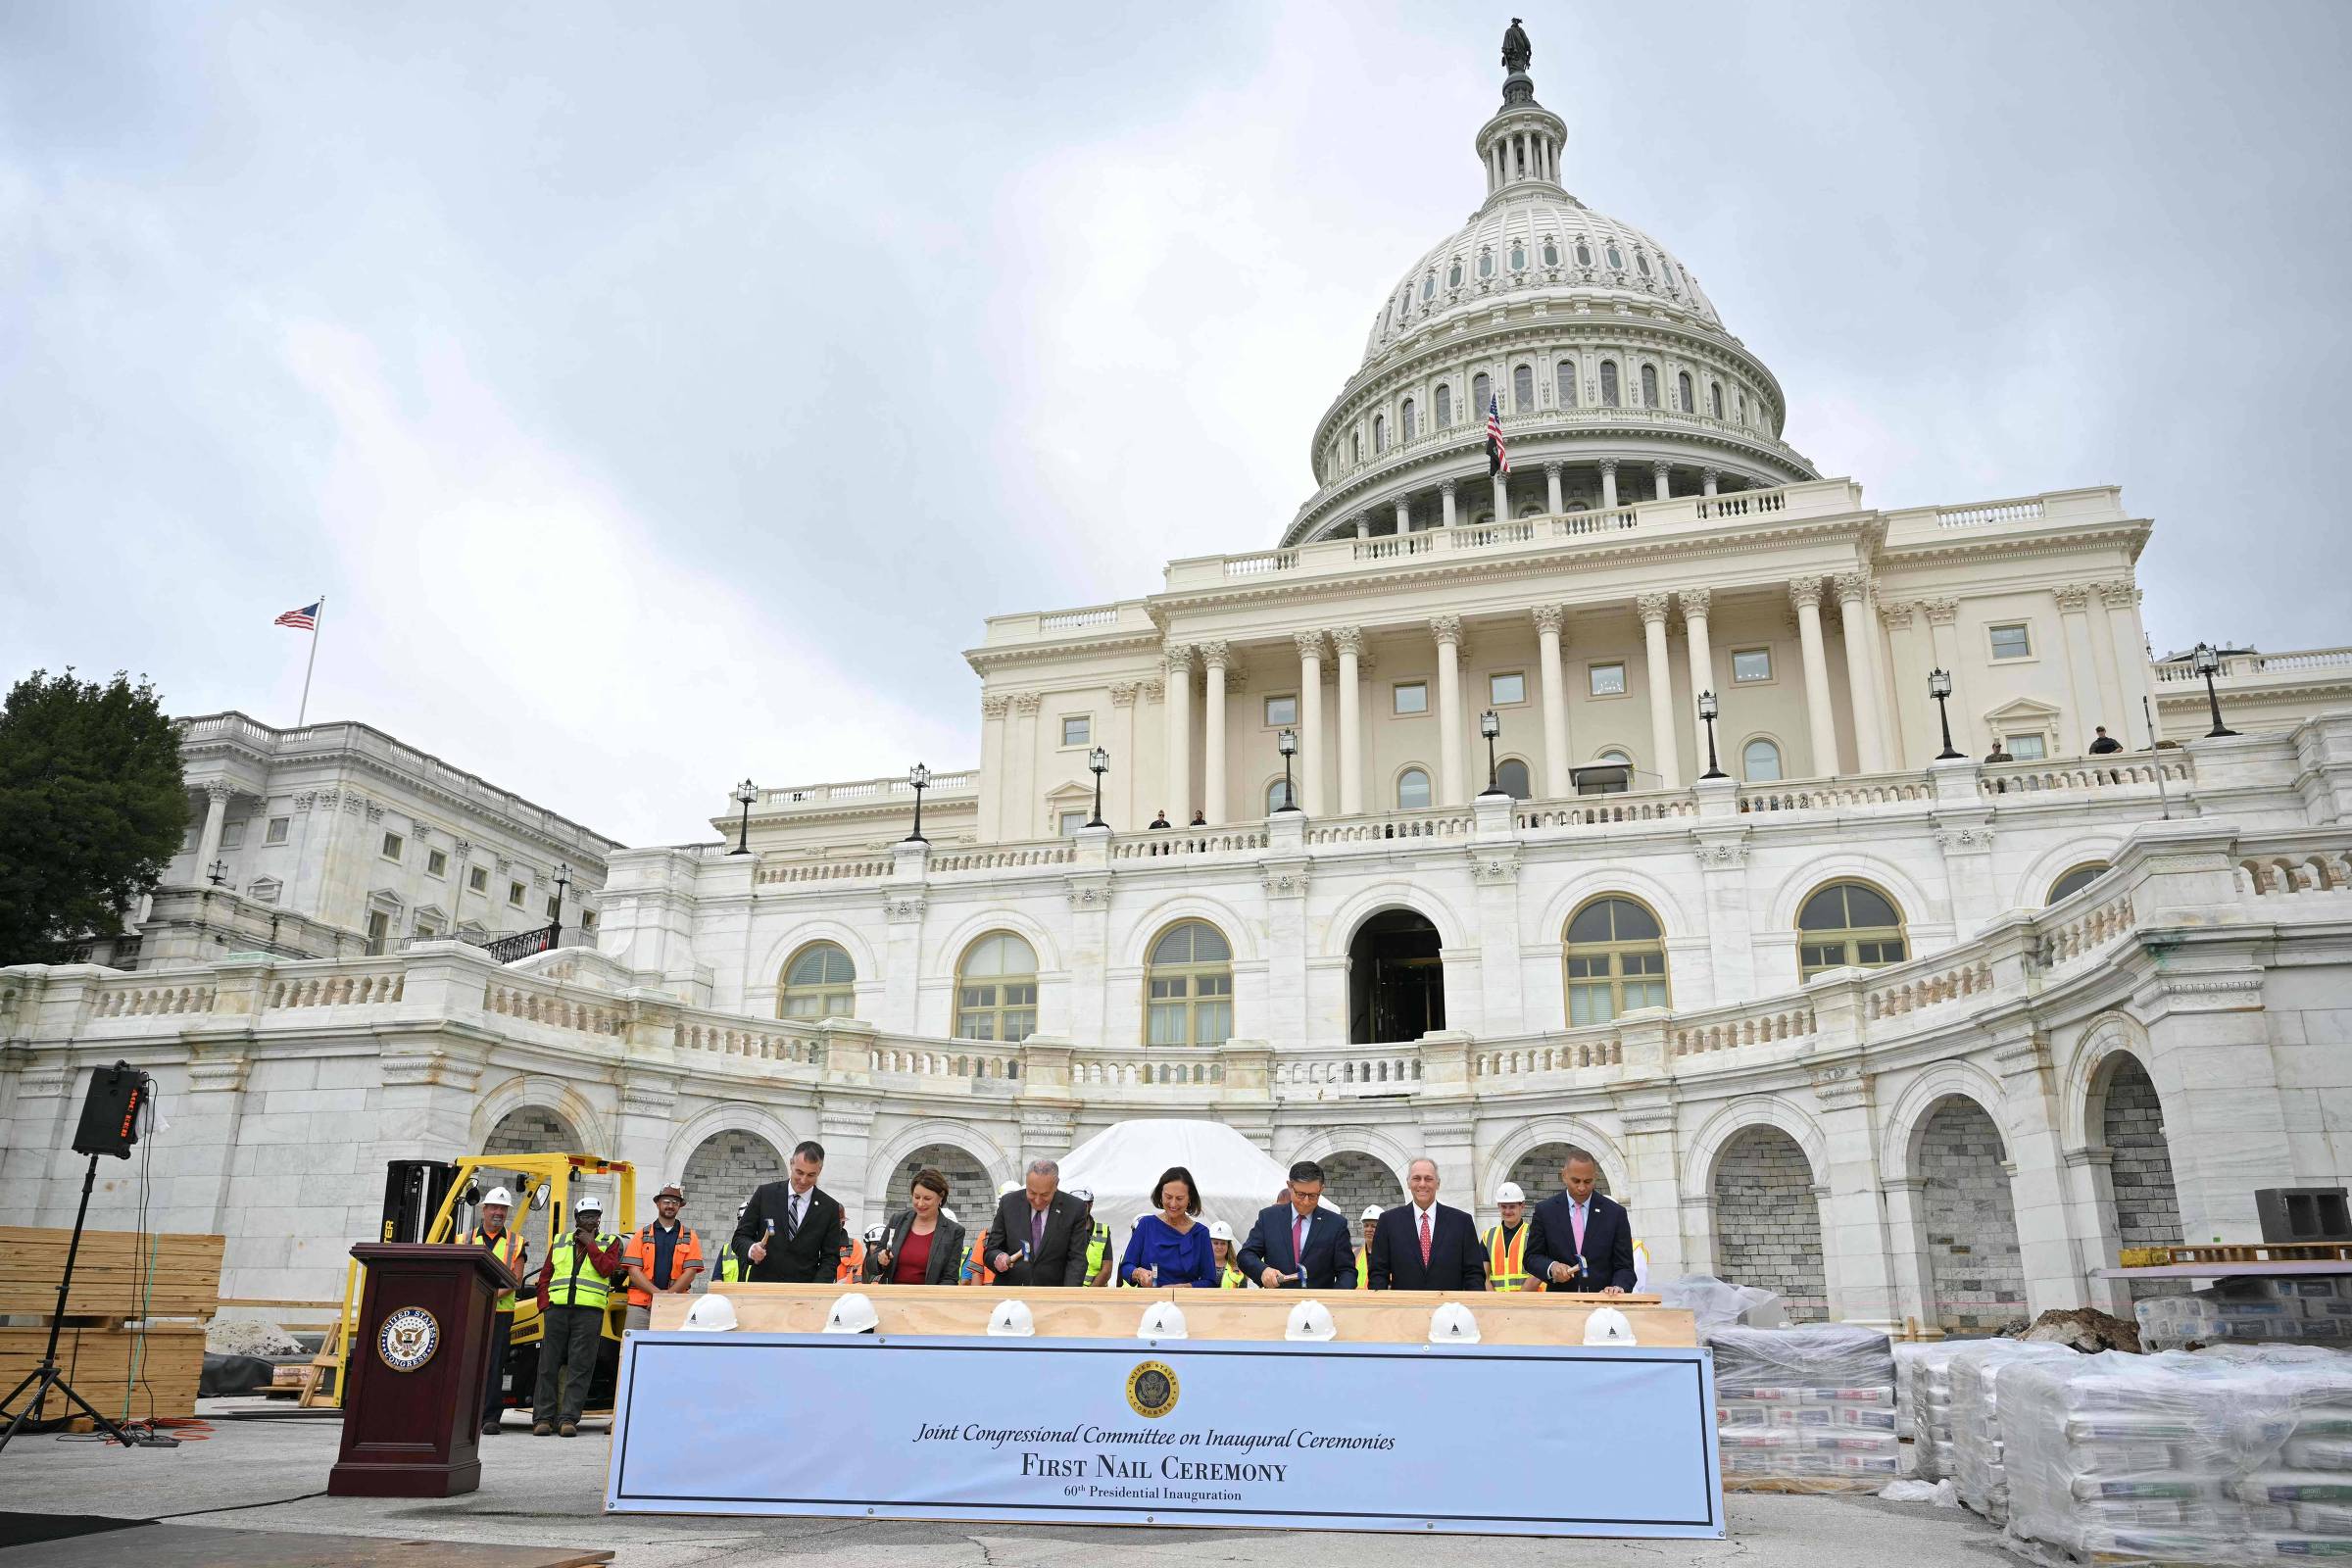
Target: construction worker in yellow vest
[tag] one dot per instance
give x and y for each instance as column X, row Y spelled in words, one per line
column 493, row 1232
column 1220, row 1243
column 1363, row 1254
column 1506, row 1243
column 575, row 1285
column 1098, row 1241
column 731, row 1264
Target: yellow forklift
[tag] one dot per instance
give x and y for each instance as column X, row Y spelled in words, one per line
column 436, row 1200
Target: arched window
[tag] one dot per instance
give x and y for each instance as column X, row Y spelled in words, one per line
column 1552, row 252
column 1428, row 284
column 817, row 984
column 1486, row 264
column 1616, row 755
column 2076, row 880
column 1356, row 446
column 1278, row 797
column 1682, row 390
column 1523, row 387
column 1445, row 407
column 1190, row 987
column 1565, row 374
column 1715, row 399
column 1511, row 777
column 1743, row 407
column 996, row 990
column 1404, row 302
column 1584, row 254
column 1518, row 257
column 1641, row 261
column 1406, row 421
column 1482, row 387
column 1616, row 959
column 1649, row 386
column 1608, row 383
column 1849, row 923
column 1454, row 274
column 1760, row 762
column 1412, row 790
column 1616, row 258
column 1380, row 432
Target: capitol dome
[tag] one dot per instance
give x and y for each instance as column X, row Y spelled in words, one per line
column 1613, row 378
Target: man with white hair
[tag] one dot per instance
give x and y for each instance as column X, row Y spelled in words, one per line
column 1424, row 1245
column 1040, row 1234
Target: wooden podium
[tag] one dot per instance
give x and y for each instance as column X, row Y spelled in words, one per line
column 412, row 1374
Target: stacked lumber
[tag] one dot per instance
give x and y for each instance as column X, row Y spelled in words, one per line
column 97, row 1362
column 109, row 1274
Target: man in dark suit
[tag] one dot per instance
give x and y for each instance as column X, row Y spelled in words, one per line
column 792, row 1232
column 1581, row 1240
column 1297, row 1245
column 1423, row 1244
column 1040, row 1234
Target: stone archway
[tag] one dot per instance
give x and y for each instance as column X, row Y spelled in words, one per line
column 1768, row 1221
column 532, row 1130
column 1538, row 1173
column 719, row 1175
column 1353, row 1181
column 1977, row 1277
column 2145, row 1205
column 970, row 1192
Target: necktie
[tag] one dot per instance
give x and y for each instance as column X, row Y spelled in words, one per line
column 1299, row 1245
column 1425, row 1238
column 792, row 1216
column 1037, row 1234
column 1576, row 1216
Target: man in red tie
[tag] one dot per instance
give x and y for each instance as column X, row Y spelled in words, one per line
column 1423, row 1244
column 1298, row 1245
column 1579, row 1239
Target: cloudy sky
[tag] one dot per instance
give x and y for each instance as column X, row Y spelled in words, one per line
column 662, row 401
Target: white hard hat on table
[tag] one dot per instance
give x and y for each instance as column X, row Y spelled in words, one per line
column 714, row 1314
column 1161, row 1321
column 1012, row 1321
column 852, row 1315
column 1509, row 1193
column 1453, row 1324
column 1606, row 1325
column 1310, row 1320
column 499, row 1196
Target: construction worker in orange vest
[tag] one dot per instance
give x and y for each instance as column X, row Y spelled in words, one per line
column 1506, row 1243
column 662, row 1259
column 493, row 1232
column 852, row 1267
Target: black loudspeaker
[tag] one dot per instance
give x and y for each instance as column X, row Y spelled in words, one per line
column 109, row 1112
column 412, row 1194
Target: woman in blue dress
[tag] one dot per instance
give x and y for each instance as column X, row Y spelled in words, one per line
column 1171, row 1246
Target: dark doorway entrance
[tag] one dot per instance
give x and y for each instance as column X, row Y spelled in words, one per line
column 1396, row 980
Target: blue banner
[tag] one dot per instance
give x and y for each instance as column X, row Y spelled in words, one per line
column 1516, row 1440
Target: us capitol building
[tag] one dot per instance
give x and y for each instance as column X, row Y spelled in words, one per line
column 1841, row 1010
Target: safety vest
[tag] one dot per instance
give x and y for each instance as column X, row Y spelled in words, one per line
column 852, row 1266
column 1098, row 1248
column 639, row 1254
column 1230, row 1279
column 573, row 1282
column 975, row 1264
column 1506, row 1262
column 1363, row 1267
column 731, row 1267
column 509, row 1248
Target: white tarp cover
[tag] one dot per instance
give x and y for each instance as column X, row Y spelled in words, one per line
column 1123, row 1163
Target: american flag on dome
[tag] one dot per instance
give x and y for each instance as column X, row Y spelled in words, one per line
column 304, row 620
column 1498, row 457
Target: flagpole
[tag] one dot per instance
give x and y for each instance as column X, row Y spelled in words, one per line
column 317, row 616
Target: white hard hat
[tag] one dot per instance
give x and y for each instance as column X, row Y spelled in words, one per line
column 499, row 1196
column 1606, row 1325
column 1161, row 1321
column 874, row 1235
column 1372, row 1212
column 1008, row 1189
column 742, row 1207
column 947, row 1214
column 1012, row 1321
column 1310, row 1320
column 1509, row 1193
column 1219, row 1230
column 588, row 1203
column 852, row 1315
column 714, row 1314
column 1084, row 1194
column 1453, row 1324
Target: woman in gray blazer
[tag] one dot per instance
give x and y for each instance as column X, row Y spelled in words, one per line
column 921, row 1245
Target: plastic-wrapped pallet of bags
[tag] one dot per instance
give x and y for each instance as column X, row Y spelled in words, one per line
column 1975, row 1371
column 1923, row 1392
column 1808, row 1408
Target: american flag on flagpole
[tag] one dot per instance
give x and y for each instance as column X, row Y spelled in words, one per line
column 304, row 620
column 1498, row 457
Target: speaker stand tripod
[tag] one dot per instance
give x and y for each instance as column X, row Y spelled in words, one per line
column 45, row 1377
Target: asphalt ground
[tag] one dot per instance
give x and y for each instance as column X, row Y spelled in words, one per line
column 270, row 1474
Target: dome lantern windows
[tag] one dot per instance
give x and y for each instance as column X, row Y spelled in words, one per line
column 1608, row 384
column 1715, row 399
column 1523, row 388
column 1649, row 386
column 1406, row 420
column 1380, row 433
column 1445, row 407
column 1566, row 377
column 1682, row 390
column 1482, row 391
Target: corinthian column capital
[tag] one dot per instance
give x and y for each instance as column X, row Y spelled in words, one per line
column 1805, row 594
column 1694, row 602
column 1347, row 640
column 1651, row 608
column 1548, row 619
column 1310, row 644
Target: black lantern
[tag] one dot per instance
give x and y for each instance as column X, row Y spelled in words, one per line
column 554, row 925
column 2209, row 664
column 918, row 779
column 1288, row 741
column 219, row 872
column 746, row 793
column 1707, row 712
column 1489, row 725
column 1939, row 687
column 1099, row 760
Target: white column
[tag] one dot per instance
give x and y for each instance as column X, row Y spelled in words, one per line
column 1310, row 722
column 1503, row 499
column 1349, row 642
column 1178, row 785
column 1665, row 487
column 1905, row 686
column 1212, row 735
column 1123, row 754
column 1551, row 488
column 215, row 816
column 1405, row 516
column 2090, row 699
column 2121, row 601
column 1694, row 603
column 993, row 778
column 1805, row 595
column 1556, row 782
column 1608, row 485
column 1943, row 635
column 1707, row 478
column 1862, row 681
column 1660, row 673
column 1446, row 491
column 1363, row 527
column 1022, row 793
column 1448, row 631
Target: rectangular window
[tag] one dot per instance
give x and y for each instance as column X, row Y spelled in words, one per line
column 478, row 879
column 392, row 847
column 2027, row 748
column 1504, row 690
column 379, row 929
column 1071, row 822
column 2011, row 642
column 1608, row 680
column 555, row 906
column 588, row 920
column 1078, row 729
column 514, row 893
column 436, row 863
column 1280, row 711
column 277, row 831
column 426, row 931
column 1751, row 664
column 232, row 834
column 1412, row 697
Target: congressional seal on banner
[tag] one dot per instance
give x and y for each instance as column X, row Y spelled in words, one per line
column 1152, row 1389
column 407, row 1340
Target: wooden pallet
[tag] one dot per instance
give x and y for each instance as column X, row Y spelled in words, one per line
column 116, row 1274
column 97, row 1362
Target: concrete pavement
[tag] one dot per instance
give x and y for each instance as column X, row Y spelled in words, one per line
column 270, row 1474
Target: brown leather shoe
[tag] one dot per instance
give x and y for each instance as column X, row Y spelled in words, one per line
column 569, row 1429
column 542, row 1429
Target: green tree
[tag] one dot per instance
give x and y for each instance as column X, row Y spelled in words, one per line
column 91, row 810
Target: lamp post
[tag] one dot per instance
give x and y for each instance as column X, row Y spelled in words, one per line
column 918, row 779
column 554, row 926
column 745, row 793
column 2209, row 664
column 1939, row 687
column 219, row 871
column 1707, row 710
column 1489, row 725
column 1289, row 742
column 1099, row 760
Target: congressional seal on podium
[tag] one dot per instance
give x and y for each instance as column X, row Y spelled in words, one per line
column 1152, row 1389
column 407, row 1338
